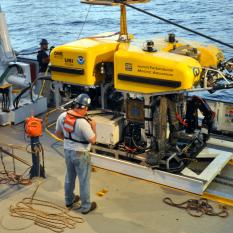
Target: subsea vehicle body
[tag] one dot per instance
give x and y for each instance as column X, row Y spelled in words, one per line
column 144, row 84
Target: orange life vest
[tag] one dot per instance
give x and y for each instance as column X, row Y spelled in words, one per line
column 69, row 125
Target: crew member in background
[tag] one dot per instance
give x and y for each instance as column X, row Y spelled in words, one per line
column 43, row 60
column 43, row 56
column 78, row 134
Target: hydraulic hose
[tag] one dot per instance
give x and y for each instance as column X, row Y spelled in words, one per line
column 6, row 72
column 18, row 97
column 29, row 88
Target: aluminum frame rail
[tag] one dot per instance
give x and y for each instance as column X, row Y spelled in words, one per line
column 187, row 180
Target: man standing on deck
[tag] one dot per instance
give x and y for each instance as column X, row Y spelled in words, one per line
column 43, row 56
column 43, row 60
column 78, row 133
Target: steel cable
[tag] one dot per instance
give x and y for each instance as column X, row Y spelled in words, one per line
column 85, row 20
column 175, row 24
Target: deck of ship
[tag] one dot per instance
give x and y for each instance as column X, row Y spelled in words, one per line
column 130, row 205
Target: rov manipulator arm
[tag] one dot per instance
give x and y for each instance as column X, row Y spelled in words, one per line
column 220, row 78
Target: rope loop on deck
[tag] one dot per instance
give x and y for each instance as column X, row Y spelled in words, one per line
column 198, row 207
column 43, row 213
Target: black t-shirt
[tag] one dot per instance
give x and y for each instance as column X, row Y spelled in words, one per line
column 40, row 56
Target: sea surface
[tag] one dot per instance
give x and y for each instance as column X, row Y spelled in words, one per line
column 62, row 21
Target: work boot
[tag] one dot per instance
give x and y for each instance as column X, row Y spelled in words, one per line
column 76, row 199
column 93, row 206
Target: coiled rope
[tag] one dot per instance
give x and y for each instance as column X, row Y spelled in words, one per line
column 42, row 213
column 198, row 208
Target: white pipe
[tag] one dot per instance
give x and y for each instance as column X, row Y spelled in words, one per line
column 18, row 81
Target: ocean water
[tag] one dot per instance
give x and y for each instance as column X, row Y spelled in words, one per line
column 61, row 22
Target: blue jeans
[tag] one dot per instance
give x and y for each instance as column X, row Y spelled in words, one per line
column 78, row 164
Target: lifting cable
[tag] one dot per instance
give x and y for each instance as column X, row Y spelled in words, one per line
column 198, row 208
column 173, row 23
column 89, row 7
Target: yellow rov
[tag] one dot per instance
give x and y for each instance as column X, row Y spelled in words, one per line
column 139, row 89
column 154, row 66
